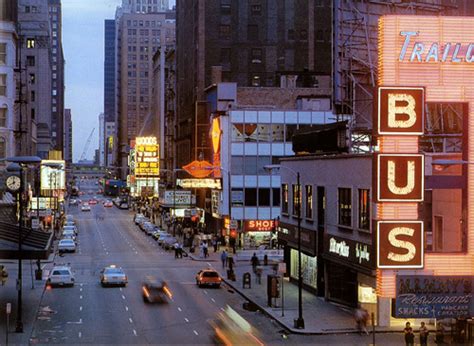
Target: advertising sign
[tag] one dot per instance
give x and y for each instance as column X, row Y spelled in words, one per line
column 53, row 178
column 400, row 177
column 259, row 225
column 177, row 198
column 215, row 203
column 400, row 244
column 199, row 183
column 44, row 203
column 426, row 296
column 147, row 157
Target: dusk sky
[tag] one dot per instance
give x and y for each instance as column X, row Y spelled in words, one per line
column 83, row 44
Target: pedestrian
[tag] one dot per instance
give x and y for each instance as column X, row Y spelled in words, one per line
column 361, row 317
column 409, row 336
column 224, row 259
column 255, row 262
column 230, row 262
column 214, row 244
column 423, row 334
column 205, row 250
column 176, row 250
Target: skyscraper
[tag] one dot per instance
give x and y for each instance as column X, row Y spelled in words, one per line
column 67, row 135
column 109, row 70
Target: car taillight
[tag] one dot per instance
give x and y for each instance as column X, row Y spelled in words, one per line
column 145, row 291
column 167, row 292
column 126, row 278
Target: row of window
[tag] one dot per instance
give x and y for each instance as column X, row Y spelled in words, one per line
column 255, row 9
column 249, row 132
column 144, row 32
column 344, row 204
column 255, row 197
column 253, row 33
column 143, row 23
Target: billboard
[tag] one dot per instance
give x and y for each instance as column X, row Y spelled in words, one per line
column 427, row 296
column 147, row 157
column 53, row 178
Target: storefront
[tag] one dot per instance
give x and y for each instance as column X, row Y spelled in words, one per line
column 349, row 272
column 259, row 234
column 310, row 263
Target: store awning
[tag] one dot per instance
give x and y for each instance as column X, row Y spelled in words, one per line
column 35, row 244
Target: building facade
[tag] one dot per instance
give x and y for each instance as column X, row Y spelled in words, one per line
column 251, row 43
column 57, row 76
column 68, row 126
column 138, row 36
column 102, row 139
column 8, row 47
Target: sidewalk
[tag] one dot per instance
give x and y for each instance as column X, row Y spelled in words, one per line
column 320, row 316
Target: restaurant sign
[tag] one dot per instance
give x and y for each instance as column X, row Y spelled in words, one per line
column 426, row 296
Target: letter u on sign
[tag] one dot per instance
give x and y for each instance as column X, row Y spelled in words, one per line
column 400, row 111
column 400, row 244
column 400, row 177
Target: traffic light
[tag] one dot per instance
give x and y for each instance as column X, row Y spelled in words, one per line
column 233, row 233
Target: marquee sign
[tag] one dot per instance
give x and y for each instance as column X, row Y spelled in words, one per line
column 259, row 225
column 208, row 183
column 147, row 159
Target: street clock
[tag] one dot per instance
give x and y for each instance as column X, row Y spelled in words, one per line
column 13, row 183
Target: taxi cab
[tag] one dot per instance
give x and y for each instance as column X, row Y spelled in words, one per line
column 208, row 277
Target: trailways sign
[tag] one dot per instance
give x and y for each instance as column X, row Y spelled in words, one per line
column 426, row 296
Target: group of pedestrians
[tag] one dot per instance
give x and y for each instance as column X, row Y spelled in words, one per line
column 410, row 335
column 227, row 260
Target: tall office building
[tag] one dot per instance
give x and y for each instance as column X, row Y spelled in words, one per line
column 67, row 135
column 145, row 6
column 8, row 45
column 138, row 36
column 101, row 139
column 250, row 43
column 57, row 76
column 34, row 114
column 109, row 69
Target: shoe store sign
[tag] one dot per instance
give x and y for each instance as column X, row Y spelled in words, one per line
column 399, row 176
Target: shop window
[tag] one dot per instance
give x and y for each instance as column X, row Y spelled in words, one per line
column 264, row 197
column 284, row 198
column 276, row 197
column 309, row 201
column 296, row 195
column 3, row 53
column 3, row 85
column 364, row 209
column 309, row 267
column 3, row 117
column 250, row 197
column 345, row 206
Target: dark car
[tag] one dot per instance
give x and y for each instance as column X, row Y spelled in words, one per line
column 155, row 290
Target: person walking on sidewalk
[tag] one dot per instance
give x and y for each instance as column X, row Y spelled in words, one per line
column 423, row 334
column 361, row 317
column 224, row 259
column 255, row 262
column 205, row 249
column 214, row 244
column 409, row 336
column 230, row 262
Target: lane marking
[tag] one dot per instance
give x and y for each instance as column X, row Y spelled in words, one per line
column 126, row 308
column 186, row 319
column 120, row 289
column 80, row 297
column 213, row 300
column 130, row 319
column 179, row 309
column 209, row 264
column 80, row 334
column 80, row 308
column 123, row 297
column 80, row 289
column 195, row 332
column 135, row 332
column 205, row 292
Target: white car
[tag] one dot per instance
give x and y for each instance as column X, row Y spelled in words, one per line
column 69, row 217
column 85, row 207
column 66, row 245
column 113, row 275
column 61, row 276
column 70, row 228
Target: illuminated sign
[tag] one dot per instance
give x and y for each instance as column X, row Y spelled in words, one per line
column 400, row 244
column 44, row 203
column 199, row 183
column 147, row 159
column 216, row 135
column 178, row 197
column 340, row 248
column 53, row 178
column 259, row 225
column 199, row 169
column 400, row 177
column 146, row 141
column 453, row 52
column 400, row 111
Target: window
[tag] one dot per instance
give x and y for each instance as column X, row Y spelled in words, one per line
column 3, row 85
column 33, row 114
column 225, row 55
column 224, row 32
column 252, row 32
column 284, row 198
column 256, row 81
column 32, row 78
column 304, row 35
column 251, row 197
column 30, row 60
column 225, row 7
column 296, row 190
column 27, row 9
column 264, row 197
column 276, row 197
column 30, row 43
column 309, row 201
column 3, row 147
column 32, row 96
column 321, row 206
column 345, row 206
column 3, row 117
column 364, row 209
column 256, row 56
column 256, row 10
column 3, row 53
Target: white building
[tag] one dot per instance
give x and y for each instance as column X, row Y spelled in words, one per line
column 7, row 87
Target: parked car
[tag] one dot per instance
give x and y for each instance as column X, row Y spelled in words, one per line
column 85, row 207
column 208, row 277
column 163, row 237
column 137, row 218
column 149, row 228
column 157, row 234
column 142, row 222
column 69, row 217
column 169, row 243
column 155, row 290
column 66, row 245
column 70, row 228
column 61, row 275
column 113, row 275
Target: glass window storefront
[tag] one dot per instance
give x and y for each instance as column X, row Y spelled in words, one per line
column 309, row 268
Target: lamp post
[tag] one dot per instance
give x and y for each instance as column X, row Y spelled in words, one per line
column 299, row 322
column 18, row 164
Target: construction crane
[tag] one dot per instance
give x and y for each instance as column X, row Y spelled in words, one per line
column 86, row 146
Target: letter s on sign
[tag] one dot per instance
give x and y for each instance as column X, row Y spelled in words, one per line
column 409, row 247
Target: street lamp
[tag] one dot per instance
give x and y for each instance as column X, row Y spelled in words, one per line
column 299, row 322
column 18, row 164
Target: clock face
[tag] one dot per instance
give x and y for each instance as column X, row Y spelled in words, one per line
column 13, row 183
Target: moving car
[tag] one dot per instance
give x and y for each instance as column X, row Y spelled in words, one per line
column 108, row 204
column 208, row 277
column 92, row 201
column 73, row 201
column 66, row 245
column 155, row 290
column 61, row 275
column 85, row 207
column 113, row 275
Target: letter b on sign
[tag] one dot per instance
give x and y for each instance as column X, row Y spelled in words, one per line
column 400, row 111
column 400, row 244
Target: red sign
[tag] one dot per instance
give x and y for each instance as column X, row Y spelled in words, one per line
column 400, row 177
column 400, row 244
column 199, row 169
column 259, row 225
column 400, row 111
